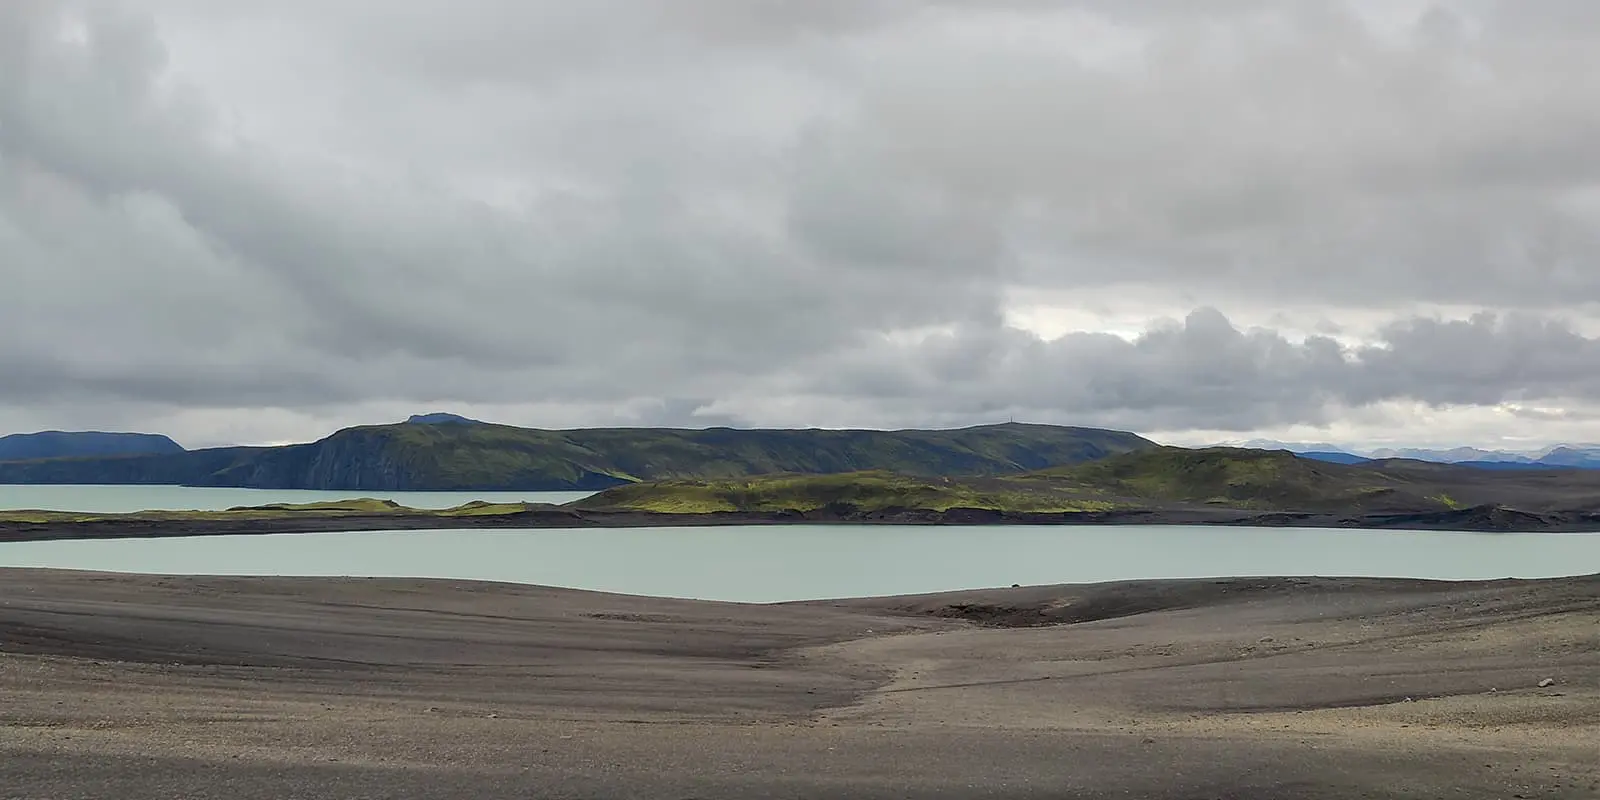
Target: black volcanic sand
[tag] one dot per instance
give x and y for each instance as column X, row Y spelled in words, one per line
column 246, row 688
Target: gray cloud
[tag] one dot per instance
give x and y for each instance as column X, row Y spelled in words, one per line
column 1206, row 372
column 793, row 213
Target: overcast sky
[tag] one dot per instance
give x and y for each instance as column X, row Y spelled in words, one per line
column 259, row 220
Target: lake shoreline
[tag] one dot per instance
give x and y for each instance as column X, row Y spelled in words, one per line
column 172, row 524
column 257, row 688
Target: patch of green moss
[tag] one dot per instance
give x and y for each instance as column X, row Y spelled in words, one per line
column 1238, row 478
column 479, row 508
column 1164, row 477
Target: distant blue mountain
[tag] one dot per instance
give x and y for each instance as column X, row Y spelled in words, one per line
column 1556, row 457
column 83, row 444
column 1568, row 456
column 1334, row 457
column 1454, row 455
column 1301, row 448
column 441, row 418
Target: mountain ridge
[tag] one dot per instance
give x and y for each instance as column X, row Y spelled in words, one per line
column 489, row 457
column 80, row 444
column 1558, row 456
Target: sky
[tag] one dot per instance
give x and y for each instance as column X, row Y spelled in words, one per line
column 256, row 221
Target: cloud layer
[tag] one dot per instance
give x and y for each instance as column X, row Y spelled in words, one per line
column 248, row 221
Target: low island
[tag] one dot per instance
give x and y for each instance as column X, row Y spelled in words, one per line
column 1218, row 486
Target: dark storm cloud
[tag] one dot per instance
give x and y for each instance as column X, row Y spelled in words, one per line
column 724, row 211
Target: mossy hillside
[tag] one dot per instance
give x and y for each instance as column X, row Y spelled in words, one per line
column 1248, row 479
column 861, row 491
column 1156, row 478
column 1448, row 501
column 480, row 508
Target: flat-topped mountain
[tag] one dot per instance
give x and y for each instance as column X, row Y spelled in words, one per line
column 454, row 456
column 79, row 444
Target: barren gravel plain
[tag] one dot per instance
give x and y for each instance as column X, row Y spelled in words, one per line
column 253, row 688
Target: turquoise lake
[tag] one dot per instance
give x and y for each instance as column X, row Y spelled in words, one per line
column 776, row 563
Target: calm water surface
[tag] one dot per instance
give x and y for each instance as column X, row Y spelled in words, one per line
column 118, row 499
column 764, row 564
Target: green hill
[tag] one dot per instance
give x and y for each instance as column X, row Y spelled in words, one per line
column 1247, row 479
column 1153, row 478
column 860, row 491
column 498, row 457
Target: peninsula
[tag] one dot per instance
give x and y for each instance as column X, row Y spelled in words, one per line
column 1156, row 485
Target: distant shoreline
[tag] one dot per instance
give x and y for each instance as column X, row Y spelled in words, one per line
column 1160, row 486
column 180, row 524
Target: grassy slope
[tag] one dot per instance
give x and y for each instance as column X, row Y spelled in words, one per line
column 1156, row 478
column 1250, row 479
column 1247, row 479
column 867, row 491
column 488, row 457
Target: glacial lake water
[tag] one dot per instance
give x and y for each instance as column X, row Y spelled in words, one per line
column 120, row 499
column 776, row 563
